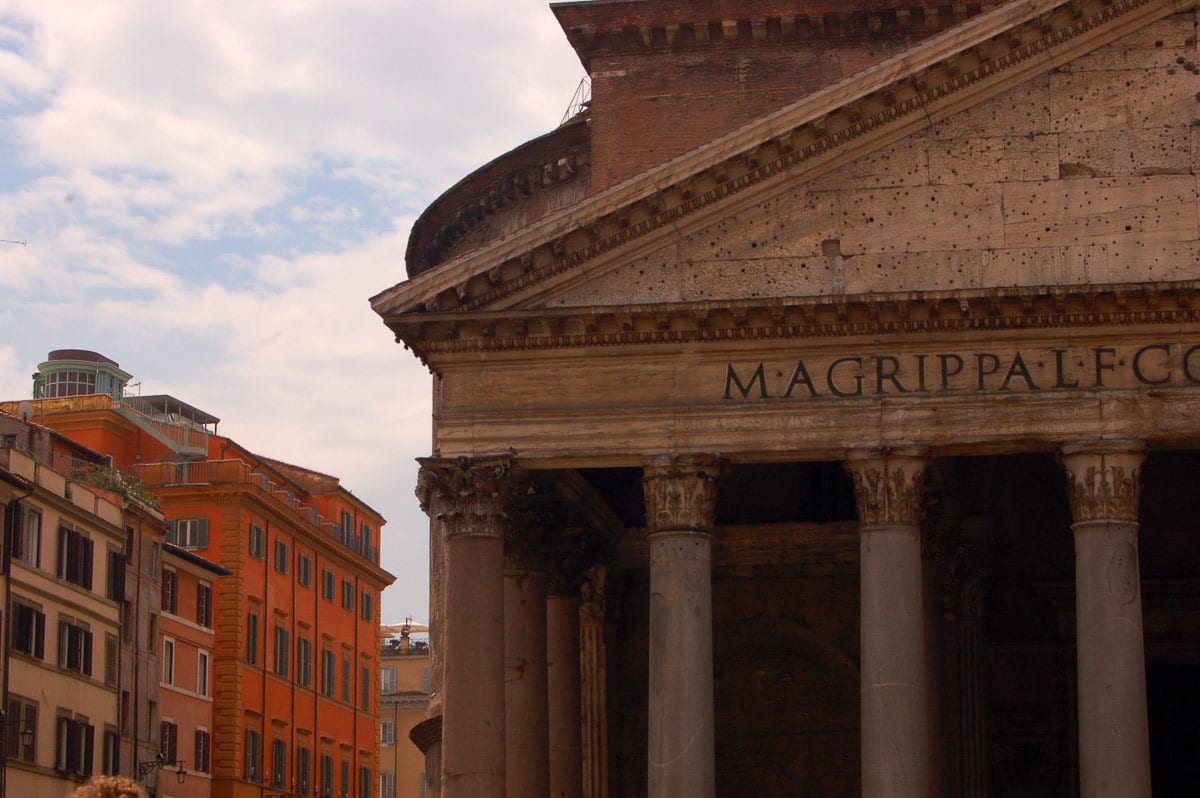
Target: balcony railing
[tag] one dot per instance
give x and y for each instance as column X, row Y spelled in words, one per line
column 238, row 472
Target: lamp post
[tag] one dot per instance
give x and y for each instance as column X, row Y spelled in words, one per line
column 159, row 761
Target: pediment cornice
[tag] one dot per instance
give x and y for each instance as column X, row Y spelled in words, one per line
column 944, row 74
column 432, row 336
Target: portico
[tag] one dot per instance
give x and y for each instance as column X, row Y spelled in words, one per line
column 846, row 449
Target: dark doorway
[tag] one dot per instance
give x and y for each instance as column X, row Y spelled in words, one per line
column 1173, row 693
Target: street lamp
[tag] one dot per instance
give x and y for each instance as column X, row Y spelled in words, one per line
column 24, row 730
column 160, row 761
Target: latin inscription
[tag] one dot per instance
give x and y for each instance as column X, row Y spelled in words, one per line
column 998, row 371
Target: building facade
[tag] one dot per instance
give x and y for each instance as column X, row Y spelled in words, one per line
column 404, row 684
column 61, row 617
column 294, row 656
column 817, row 412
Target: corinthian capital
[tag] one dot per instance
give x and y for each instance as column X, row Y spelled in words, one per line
column 681, row 492
column 1103, row 479
column 888, row 484
column 471, row 496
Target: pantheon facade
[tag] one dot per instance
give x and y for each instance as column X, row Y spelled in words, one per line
column 817, row 411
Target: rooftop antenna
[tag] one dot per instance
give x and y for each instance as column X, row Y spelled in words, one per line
column 580, row 100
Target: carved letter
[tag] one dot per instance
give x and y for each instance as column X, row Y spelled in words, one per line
column 979, row 367
column 1101, row 365
column 889, row 374
column 1018, row 369
column 1187, row 364
column 946, row 373
column 921, row 372
column 857, row 377
column 800, row 377
column 1137, row 365
column 1060, row 377
column 731, row 379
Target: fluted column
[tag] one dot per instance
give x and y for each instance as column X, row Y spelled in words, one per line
column 593, row 682
column 468, row 498
column 888, row 487
column 527, row 771
column 680, row 499
column 562, row 674
column 1103, row 485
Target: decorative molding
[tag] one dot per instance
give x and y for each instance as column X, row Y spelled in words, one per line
column 681, row 492
column 888, row 485
column 1104, row 480
column 469, row 496
column 918, row 313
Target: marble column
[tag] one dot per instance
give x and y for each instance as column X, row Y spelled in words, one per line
column 895, row 727
column 562, row 681
column 680, row 499
column 1103, row 484
column 593, row 682
column 527, row 769
column 469, row 499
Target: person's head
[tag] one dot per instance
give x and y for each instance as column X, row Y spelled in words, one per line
column 109, row 787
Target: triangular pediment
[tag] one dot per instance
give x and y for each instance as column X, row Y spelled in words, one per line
column 1037, row 144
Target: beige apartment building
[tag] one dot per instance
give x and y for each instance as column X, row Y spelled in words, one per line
column 63, row 570
column 404, row 683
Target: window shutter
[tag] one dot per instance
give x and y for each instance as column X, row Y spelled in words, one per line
column 86, row 547
column 64, row 645
column 39, row 634
column 16, row 529
column 173, row 533
column 202, row 533
column 31, row 720
column 12, row 741
column 89, row 745
column 63, row 546
column 61, row 734
column 86, row 643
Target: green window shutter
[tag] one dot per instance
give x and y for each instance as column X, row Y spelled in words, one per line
column 202, row 534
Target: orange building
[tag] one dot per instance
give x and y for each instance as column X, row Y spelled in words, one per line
column 295, row 654
column 404, row 690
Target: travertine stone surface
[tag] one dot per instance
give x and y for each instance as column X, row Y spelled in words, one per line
column 526, row 713
column 1099, row 153
column 680, row 499
column 562, row 680
column 1103, row 485
column 895, row 726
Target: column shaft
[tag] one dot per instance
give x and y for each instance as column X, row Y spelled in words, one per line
column 895, row 726
column 526, row 715
column 1114, row 748
column 562, row 655
column 680, row 498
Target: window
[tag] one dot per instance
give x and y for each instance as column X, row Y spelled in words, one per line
column 387, row 681
column 152, row 632
column 204, row 605
column 111, row 752
column 344, row 782
column 364, row 702
column 189, row 533
column 368, row 613
column 252, row 770
column 304, row 662
column 170, row 591
column 365, row 532
column 168, row 740
column 347, row 527
column 281, row 556
column 327, row 584
column 74, row 646
column 110, row 660
column 168, row 661
column 303, row 770
column 346, row 679
column 27, row 543
column 327, row 676
column 202, row 673
column 387, row 784
column 73, row 742
column 278, row 762
column 29, row 630
column 326, row 776
column 75, row 557
column 364, row 782
column 26, row 711
column 347, row 595
column 281, row 651
column 115, row 582
column 252, row 638
column 203, row 752
column 304, row 570
column 258, row 542
column 387, row 732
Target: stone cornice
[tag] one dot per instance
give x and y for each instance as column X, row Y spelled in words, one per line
column 944, row 74
column 827, row 316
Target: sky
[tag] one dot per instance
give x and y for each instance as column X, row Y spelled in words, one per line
column 209, row 191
